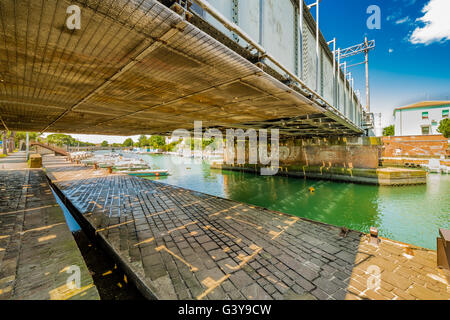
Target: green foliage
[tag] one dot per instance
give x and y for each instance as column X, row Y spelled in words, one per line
column 66, row 140
column 143, row 141
column 205, row 143
column 444, row 127
column 105, row 144
column 157, row 142
column 128, row 143
column 171, row 146
column 389, row 131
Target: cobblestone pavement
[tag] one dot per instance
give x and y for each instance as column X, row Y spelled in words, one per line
column 36, row 246
column 182, row 244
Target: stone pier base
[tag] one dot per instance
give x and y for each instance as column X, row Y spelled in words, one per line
column 381, row 176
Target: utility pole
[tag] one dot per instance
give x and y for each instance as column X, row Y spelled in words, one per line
column 366, row 53
column 357, row 49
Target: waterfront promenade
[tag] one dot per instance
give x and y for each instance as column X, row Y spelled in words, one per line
column 37, row 250
column 180, row 244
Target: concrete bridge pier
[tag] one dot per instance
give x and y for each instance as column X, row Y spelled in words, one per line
column 5, row 143
column 347, row 159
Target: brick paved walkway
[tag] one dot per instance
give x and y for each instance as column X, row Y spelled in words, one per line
column 36, row 246
column 181, row 244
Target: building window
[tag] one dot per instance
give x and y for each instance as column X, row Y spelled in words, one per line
column 425, row 130
column 424, row 115
column 445, row 114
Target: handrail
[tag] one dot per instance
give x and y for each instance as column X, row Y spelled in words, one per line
column 49, row 147
column 263, row 53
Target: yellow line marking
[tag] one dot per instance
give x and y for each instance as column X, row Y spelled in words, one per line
column 64, row 292
column 277, row 234
column 50, row 237
column 29, row 210
column 225, row 210
column 291, row 221
column 166, row 233
column 1, row 249
column 246, row 222
column 107, row 273
column 4, row 237
column 222, row 232
column 246, row 259
column 42, row 228
column 212, row 285
column 437, row 278
column 64, row 270
column 196, row 202
column 125, row 279
column 145, row 241
column 276, row 282
column 134, row 220
column 193, row 269
column 114, row 226
column 6, row 290
column 182, row 227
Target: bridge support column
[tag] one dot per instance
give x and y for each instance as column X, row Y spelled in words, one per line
column 28, row 146
column 5, row 142
column 353, row 159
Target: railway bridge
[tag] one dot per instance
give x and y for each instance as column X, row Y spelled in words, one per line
column 148, row 66
column 128, row 67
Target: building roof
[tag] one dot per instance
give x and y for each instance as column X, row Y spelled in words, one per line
column 424, row 104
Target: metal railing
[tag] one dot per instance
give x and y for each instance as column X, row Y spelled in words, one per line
column 263, row 54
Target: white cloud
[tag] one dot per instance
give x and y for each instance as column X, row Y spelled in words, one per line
column 403, row 20
column 391, row 50
column 436, row 23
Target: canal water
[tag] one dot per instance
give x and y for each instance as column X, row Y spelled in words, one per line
column 411, row 214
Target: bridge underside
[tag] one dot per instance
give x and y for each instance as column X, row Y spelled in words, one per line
column 137, row 68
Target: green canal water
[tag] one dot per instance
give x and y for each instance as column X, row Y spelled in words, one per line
column 411, row 214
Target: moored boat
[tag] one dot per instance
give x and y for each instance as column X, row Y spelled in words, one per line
column 147, row 173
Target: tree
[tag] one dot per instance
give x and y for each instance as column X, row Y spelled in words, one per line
column 105, row 144
column 389, row 131
column 143, row 141
column 444, row 127
column 157, row 142
column 33, row 136
column 128, row 143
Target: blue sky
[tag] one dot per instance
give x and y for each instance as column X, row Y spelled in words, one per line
column 411, row 61
column 405, row 67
